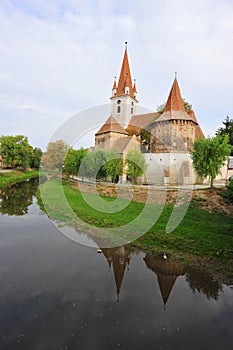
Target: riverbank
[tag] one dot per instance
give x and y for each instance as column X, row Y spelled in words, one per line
column 14, row 176
column 203, row 238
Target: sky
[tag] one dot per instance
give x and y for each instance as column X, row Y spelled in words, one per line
column 59, row 58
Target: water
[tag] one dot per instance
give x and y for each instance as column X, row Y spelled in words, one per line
column 57, row 294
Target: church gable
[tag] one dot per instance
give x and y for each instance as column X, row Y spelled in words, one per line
column 111, row 125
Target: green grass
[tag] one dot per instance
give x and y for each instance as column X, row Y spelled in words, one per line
column 12, row 177
column 200, row 234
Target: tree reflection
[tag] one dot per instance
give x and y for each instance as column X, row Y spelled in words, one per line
column 203, row 282
column 15, row 199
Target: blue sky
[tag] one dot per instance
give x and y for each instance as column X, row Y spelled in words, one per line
column 59, row 57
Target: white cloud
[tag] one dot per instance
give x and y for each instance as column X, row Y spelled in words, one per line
column 60, row 57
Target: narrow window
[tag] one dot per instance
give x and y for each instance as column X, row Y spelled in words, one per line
column 118, row 109
column 131, row 110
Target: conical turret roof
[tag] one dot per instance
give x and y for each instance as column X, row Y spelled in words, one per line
column 174, row 108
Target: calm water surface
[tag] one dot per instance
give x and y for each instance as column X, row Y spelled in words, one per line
column 57, row 294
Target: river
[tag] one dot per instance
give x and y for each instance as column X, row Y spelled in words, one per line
column 58, row 294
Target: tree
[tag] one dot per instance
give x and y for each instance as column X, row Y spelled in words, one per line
column 136, row 165
column 73, row 160
column 209, row 155
column 113, row 166
column 55, row 154
column 92, row 165
column 227, row 129
column 188, row 107
column 35, row 157
column 15, row 151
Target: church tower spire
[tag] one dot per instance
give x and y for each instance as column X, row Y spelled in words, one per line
column 124, row 93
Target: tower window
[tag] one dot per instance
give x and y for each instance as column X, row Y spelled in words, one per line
column 118, row 102
column 118, row 109
column 131, row 103
column 131, row 110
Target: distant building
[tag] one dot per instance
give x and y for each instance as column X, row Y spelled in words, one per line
column 171, row 133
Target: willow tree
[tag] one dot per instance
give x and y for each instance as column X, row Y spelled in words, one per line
column 136, row 165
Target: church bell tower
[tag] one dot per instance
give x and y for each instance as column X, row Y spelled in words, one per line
column 123, row 99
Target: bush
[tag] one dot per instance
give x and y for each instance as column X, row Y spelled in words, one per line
column 229, row 193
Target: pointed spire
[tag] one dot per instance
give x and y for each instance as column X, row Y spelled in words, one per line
column 114, row 84
column 175, row 101
column 125, row 80
column 134, row 86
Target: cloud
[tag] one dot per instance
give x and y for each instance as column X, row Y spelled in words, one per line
column 58, row 58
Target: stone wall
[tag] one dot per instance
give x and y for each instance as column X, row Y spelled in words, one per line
column 172, row 136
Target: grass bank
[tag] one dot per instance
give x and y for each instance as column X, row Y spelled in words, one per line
column 201, row 234
column 14, row 176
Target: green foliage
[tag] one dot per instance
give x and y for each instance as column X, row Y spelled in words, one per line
column 92, row 165
column 136, row 165
column 101, row 164
column 145, row 136
column 209, row 155
column 55, row 154
column 12, row 177
column 188, row 107
column 227, row 129
column 73, row 160
column 15, row 151
column 229, row 192
column 35, row 157
column 113, row 166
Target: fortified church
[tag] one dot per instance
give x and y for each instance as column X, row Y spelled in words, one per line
column 171, row 133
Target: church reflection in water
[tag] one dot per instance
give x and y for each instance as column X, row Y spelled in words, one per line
column 166, row 270
column 119, row 259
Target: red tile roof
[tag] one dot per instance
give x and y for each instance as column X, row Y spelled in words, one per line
column 125, row 78
column 142, row 121
column 174, row 102
column 112, row 125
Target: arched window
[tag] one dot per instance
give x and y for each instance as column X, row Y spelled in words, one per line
column 131, row 103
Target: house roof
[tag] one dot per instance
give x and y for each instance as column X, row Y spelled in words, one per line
column 142, row 121
column 111, row 125
column 119, row 145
